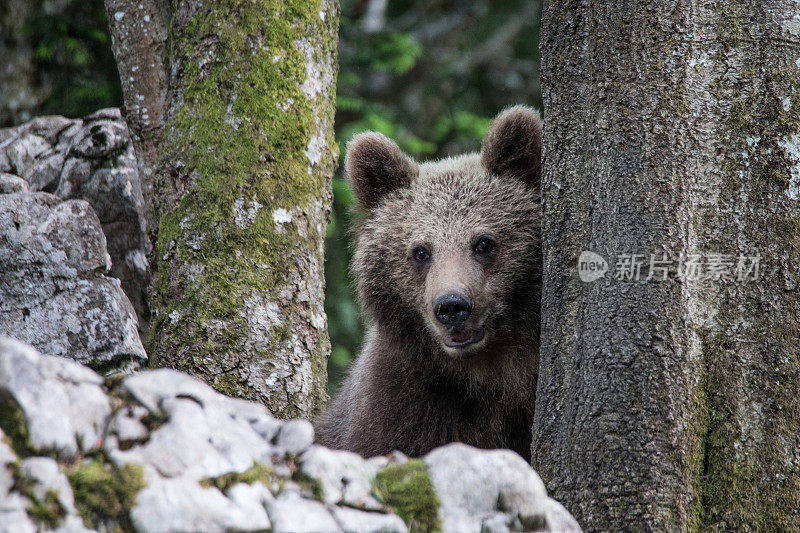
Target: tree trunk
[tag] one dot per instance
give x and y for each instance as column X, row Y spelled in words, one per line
column 241, row 149
column 139, row 39
column 671, row 404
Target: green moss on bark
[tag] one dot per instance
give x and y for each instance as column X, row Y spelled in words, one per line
column 695, row 446
column 743, row 486
column 749, row 478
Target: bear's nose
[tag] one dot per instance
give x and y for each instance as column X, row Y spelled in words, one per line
column 452, row 309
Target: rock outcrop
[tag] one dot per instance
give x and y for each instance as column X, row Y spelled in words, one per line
column 90, row 159
column 160, row 451
column 54, row 293
column 69, row 195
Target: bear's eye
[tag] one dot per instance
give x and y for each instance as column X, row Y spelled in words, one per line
column 484, row 245
column 421, row 254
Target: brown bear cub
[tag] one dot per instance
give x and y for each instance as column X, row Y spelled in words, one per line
column 448, row 266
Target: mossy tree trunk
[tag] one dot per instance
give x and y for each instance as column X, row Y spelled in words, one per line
column 238, row 137
column 674, row 404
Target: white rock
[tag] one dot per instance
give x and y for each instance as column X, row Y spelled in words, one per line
column 7, row 455
column 290, row 513
column 197, row 442
column 7, row 458
column 180, row 504
column 356, row 521
column 345, row 477
column 63, row 402
column 559, row 519
column 248, row 411
column 295, row 436
column 126, row 424
column 394, row 458
column 13, row 518
column 152, row 386
column 268, row 428
column 378, row 462
column 253, row 497
column 203, row 434
column 46, row 475
column 475, row 484
column 501, row 523
column 6, row 482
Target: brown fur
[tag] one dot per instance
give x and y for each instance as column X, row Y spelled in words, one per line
column 407, row 390
column 375, row 165
column 513, row 145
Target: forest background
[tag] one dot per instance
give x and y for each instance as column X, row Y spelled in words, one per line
column 429, row 74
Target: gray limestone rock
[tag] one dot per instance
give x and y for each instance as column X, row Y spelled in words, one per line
column 54, row 293
column 90, row 159
column 10, row 184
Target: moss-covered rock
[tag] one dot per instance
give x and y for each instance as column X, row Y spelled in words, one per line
column 176, row 454
column 47, row 512
column 105, row 494
column 259, row 472
column 407, row 489
column 12, row 422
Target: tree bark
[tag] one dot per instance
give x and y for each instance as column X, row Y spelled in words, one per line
column 672, row 404
column 139, row 39
column 239, row 138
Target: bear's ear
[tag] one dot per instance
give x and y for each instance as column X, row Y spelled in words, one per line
column 513, row 145
column 375, row 166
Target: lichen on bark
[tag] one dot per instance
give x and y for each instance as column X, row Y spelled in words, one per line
column 243, row 192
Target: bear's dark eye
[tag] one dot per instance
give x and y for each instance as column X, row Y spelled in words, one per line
column 484, row 245
column 421, row 254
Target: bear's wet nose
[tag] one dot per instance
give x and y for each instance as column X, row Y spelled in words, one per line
column 452, row 309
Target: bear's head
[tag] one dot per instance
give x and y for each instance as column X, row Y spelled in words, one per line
column 452, row 248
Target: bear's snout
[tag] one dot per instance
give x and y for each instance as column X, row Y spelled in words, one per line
column 452, row 309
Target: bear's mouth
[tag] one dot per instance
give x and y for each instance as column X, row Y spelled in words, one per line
column 464, row 337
